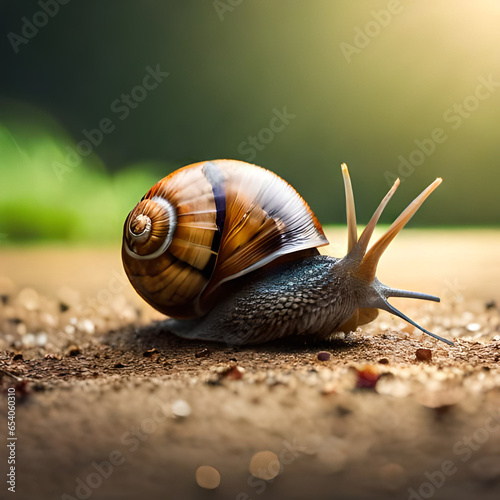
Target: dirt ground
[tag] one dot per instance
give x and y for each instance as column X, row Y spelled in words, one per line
column 110, row 406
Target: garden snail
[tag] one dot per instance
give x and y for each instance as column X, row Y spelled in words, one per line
column 229, row 250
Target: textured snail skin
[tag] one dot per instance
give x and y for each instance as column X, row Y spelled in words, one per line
column 308, row 297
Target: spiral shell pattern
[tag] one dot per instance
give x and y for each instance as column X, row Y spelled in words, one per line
column 208, row 223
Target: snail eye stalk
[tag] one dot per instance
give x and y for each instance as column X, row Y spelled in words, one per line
column 365, row 261
column 384, row 292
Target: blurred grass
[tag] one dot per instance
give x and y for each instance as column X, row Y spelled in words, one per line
column 226, row 82
column 85, row 203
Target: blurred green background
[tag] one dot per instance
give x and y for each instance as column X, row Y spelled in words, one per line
column 392, row 88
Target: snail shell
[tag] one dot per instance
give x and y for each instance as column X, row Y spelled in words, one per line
column 206, row 224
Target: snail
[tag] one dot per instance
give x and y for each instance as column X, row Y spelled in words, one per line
column 229, row 251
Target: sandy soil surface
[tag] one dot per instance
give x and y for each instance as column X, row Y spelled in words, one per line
column 110, row 406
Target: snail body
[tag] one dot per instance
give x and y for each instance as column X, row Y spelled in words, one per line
column 229, row 251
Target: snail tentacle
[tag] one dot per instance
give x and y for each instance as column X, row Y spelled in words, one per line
column 352, row 227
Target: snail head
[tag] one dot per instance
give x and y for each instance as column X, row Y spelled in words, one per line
column 362, row 262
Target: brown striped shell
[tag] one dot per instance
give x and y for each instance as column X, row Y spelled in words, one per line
column 208, row 223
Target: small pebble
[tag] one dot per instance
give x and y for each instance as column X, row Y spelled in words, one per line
column 87, row 326
column 181, row 408
column 491, row 304
column 63, row 307
column 49, row 319
column 73, row 350
column 312, row 444
column 473, row 327
column 41, row 339
column 28, row 340
column 29, row 299
column 367, row 377
column 69, row 330
column 423, row 355
column 21, row 329
column 52, row 357
column 338, row 336
column 393, row 386
column 264, row 465
column 324, row 356
column 150, row 352
column 202, row 353
column 207, row 477
column 329, row 388
column 234, row 373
